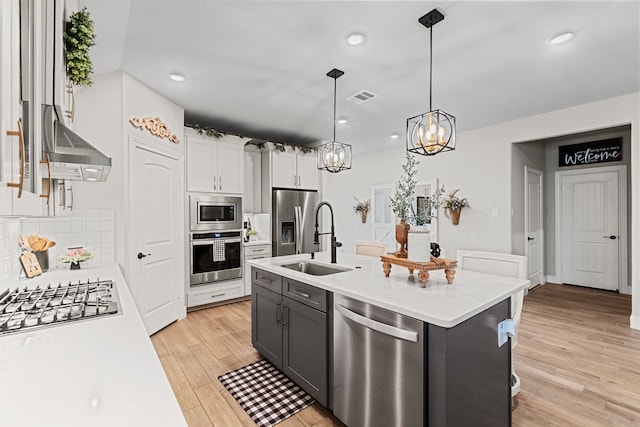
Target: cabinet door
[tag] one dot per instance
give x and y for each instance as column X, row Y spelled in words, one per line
column 252, row 201
column 283, row 170
column 305, row 348
column 201, row 168
column 230, row 165
column 266, row 323
column 10, row 112
column 307, row 172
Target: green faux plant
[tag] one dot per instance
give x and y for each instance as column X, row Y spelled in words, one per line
column 78, row 37
column 402, row 201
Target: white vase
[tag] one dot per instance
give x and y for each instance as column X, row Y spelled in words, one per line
column 419, row 243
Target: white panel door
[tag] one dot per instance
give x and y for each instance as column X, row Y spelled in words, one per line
column 156, row 221
column 230, row 161
column 533, row 223
column 590, row 230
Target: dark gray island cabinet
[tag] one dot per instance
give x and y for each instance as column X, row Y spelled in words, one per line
column 291, row 328
column 375, row 367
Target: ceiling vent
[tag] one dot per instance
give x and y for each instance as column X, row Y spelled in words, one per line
column 362, row 96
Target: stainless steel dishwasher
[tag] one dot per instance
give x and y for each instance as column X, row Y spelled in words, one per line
column 378, row 369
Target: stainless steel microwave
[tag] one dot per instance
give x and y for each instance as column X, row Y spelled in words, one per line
column 213, row 213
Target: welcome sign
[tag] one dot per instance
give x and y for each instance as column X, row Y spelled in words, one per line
column 607, row 150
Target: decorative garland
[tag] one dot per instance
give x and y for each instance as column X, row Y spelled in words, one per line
column 213, row 133
column 78, row 37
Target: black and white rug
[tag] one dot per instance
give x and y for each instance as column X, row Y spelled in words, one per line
column 265, row 393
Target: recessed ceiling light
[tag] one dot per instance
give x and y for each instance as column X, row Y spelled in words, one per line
column 342, row 121
column 394, row 136
column 176, row 77
column 561, row 38
column 355, row 39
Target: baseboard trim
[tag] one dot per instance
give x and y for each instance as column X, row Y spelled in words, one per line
column 554, row 279
column 634, row 322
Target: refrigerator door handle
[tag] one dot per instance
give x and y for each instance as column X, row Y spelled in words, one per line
column 298, row 227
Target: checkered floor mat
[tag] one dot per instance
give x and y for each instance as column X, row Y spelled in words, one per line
column 265, row 393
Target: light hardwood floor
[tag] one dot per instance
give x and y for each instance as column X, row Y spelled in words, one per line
column 577, row 358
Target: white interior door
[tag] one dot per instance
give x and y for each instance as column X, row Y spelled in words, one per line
column 590, row 229
column 534, row 248
column 156, row 221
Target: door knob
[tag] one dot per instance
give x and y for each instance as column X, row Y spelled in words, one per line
column 612, row 237
column 141, row 255
column 530, row 238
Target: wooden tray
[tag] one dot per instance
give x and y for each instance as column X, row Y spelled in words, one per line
column 448, row 265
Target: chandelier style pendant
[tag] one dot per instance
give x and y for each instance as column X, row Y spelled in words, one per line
column 334, row 156
column 433, row 132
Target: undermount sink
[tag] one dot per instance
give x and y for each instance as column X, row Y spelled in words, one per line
column 315, row 269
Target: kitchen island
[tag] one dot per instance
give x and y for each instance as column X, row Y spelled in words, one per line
column 102, row 371
column 386, row 349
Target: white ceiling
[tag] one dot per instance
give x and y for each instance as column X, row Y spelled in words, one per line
column 258, row 68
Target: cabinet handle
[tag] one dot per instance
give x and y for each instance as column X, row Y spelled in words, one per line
column 285, row 314
column 278, row 312
column 258, row 250
column 215, row 183
column 70, row 113
column 300, row 294
column 48, row 180
column 220, row 182
column 20, row 136
column 70, row 204
column 218, row 295
column 62, row 195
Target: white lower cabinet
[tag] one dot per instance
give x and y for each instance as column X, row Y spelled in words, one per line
column 207, row 294
column 254, row 251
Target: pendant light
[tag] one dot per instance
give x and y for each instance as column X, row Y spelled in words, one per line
column 433, row 132
column 334, row 156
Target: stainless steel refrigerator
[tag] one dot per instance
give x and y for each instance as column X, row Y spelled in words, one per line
column 293, row 221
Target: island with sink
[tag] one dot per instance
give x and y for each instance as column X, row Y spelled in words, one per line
column 370, row 347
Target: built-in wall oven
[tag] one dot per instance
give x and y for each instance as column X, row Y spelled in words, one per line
column 215, row 238
column 216, row 256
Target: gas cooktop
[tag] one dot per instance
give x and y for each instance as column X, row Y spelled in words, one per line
column 41, row 306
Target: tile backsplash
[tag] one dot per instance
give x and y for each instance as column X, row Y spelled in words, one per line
column 93, row 229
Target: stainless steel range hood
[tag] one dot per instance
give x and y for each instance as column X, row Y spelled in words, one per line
column 70, row 156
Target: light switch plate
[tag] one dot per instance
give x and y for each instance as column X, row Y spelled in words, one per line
column 495, row 212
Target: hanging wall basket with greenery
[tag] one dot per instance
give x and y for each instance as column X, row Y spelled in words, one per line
column 78, row 37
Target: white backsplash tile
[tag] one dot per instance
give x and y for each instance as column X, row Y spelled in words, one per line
column 92, row 229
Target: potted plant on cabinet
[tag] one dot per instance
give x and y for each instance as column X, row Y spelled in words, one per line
column 362, row 207
column 453, row 206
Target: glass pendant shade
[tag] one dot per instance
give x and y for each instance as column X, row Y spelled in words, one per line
column 334, row 156
column 431, row 133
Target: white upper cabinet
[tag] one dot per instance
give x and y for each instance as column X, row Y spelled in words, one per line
column 293, row 170
column 19, row 154
column 215, row 165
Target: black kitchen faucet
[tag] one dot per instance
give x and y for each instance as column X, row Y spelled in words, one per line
column 334, row 243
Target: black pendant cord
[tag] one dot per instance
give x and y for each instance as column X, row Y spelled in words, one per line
column 335, row 84
column 430, row 65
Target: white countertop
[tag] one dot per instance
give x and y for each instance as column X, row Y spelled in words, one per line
column 438, row 303
column 98, row 372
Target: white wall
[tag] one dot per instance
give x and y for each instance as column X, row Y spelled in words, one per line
column 103, row 111
column 481, row 167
